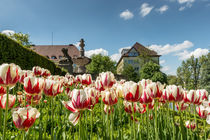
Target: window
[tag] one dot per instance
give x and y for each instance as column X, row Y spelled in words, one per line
column 53, row 57
column 133, row 54
column 136, row 68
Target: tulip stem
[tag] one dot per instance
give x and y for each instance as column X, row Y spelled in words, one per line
column 204, row 129
column 52, row 120
column 174, row 130
column 5, row 115
column 147, row 119
column 196, row 122
column 156, row 130
column 1, row 119
column 134, row 131
column 91, row 134
column 111, row 132
column 181, row 122
column 23, row 134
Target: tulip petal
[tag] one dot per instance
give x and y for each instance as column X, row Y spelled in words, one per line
column 74, row 118
column 68, row 105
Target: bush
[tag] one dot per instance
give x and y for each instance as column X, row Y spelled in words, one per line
column 13, row 52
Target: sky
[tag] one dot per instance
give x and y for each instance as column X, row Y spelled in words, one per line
column 176, row 29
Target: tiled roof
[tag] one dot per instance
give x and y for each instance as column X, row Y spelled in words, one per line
column 55, row 50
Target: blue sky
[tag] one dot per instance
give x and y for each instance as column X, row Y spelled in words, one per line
column 176, row 29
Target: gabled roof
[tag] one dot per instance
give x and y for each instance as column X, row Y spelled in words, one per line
column 141, row 51
column 55, row 50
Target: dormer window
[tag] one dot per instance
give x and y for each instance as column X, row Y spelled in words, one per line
column 53, row 57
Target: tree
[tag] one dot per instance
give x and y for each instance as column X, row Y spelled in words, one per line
column 205, row 74
column 21, row 38
column 100, row 64
column 172, row 80
column 152, row 71
column 189, row 72
column 130, row 74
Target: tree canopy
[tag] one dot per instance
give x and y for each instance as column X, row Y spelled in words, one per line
column 130, row 74
column 21, row 38
column 152, row 71
column 101, row 63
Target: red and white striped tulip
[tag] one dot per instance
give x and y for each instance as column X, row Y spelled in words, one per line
column 190, row 125
column 203, row 93
column 24, row 118
column 9, row 74
column 142, row 108
column 107, row 79
column 128, row 107
column 174, row 93
column 93, row 94
column 24, row 74
column 36, row 99
column 109, row 97
column 145, row 97
column 52, row 88
column 145, row 82
column 107, row 109
column 45, row 73
column 181, row 104
column 156, row 89
column 119, row 90
column 193, row 97
column 80, row 99
column 37, row 70
column 132, row 91
column 98, row 84
column 33, row 85
column 86, row 79
column 3, row 100
column 3, row 90
column 203, row 111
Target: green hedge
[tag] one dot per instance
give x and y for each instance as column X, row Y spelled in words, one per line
column 13, row 52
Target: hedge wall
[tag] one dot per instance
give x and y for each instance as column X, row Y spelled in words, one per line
column 13, row 52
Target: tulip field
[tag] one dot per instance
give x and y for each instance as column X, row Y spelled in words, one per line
column 35, row 105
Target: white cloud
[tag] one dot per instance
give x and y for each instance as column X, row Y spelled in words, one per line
column 126, row 15
column 162, row 62
column 163, row 8
column 182, row 8
column 116, row 56
column 8, row 32
column 96, row 51
column 77, row 45
column 165, row 69
column 166, row 49
column 145, row 9
column 186, row 1
column 196, row 53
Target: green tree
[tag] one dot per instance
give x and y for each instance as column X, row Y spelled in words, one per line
column 190, row 71
column 152, row 71
column 21, row 38
column 172, row 80
column 205, row 74
column 130, row 74
column 100, row 64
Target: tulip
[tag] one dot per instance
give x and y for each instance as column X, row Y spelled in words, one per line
column 69, row 77
column 33, row 85
column 80, row 99
column 142, row 108
column 203, row 93
column 193, row 97
column 107, row 79
column 24, row 118
column 203, row 111
column 107, row 109
column 86, row 79
column 11, row 101
column 37, row 70
column 45, row 73
column 144, row 83
column 9, row 74
column 2, row 90
column 119, row 90
column 24, row 74
column 93, row 94
column 98, row 84
column 190, row 125
column 174, row 93
column 182, row 105
column 145, row 97
column 52, row 88
column 109, row 97
column 132, row 91
column 128, row 107
column 35, row 99
column 156, row 90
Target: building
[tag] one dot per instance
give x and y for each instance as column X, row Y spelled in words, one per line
column 55, row 54
column 134, row 56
